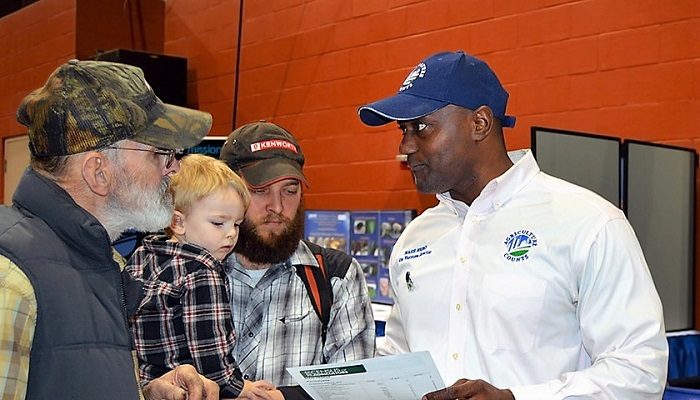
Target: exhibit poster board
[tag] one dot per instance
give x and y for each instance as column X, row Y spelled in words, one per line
column 364, row 246
column 370, row 236
column 660, row 205
column 654, row 184
column 329, row 229
column 591, row 161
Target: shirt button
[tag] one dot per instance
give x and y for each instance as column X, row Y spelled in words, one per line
column 458, row 307
column 455, row 356
column 246, row 376
column 250, row 334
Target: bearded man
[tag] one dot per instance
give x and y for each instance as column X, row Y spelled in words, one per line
column 102, row 149
column 273, row 314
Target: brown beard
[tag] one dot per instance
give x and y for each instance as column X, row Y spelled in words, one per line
column 275, row 249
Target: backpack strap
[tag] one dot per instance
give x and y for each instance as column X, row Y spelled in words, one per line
column 318, row 281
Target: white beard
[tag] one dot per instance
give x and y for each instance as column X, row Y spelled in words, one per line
column 132, row 206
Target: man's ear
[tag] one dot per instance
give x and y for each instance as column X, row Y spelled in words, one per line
column 177, row 223
column 483, row 122
column 96, row 173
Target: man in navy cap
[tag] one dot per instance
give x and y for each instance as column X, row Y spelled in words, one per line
column 525, row 286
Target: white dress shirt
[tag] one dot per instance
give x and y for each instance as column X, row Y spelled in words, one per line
column 539, row 286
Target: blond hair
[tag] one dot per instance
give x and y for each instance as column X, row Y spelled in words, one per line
column 200, row 176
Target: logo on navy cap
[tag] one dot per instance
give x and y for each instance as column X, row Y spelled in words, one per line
column 418, row 72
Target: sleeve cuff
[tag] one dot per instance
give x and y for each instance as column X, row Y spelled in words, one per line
column 293, row 393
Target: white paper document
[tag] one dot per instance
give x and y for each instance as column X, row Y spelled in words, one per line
column 401, row 377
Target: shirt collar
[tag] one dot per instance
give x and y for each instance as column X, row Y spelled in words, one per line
column 119, row 259
column 301, row 256
column 499, row 190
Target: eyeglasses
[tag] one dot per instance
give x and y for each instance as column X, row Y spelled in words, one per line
column 170, row 154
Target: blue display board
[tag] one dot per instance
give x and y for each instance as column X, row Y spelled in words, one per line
column 330, row 229
column 364, row 246
column 370, row 238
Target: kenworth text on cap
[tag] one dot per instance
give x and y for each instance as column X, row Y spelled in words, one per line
column 441, row 79
column 263, row 153
column 89, row 105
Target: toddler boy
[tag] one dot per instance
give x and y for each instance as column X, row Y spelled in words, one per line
column 185, row 316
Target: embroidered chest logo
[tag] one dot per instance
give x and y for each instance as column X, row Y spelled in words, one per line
column 518, row 245
column 415, row 252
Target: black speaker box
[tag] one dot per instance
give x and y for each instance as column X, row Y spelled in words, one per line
column 166, row 74
column 10, row 6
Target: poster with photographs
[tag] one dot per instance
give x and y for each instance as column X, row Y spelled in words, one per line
column 391, row 225
column 330, row 229
column 364, row 239
column 364, row 245
column 369, row 236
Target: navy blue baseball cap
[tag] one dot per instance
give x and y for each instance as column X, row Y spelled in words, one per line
column 441, row 79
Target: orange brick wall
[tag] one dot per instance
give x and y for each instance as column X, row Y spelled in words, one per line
column 33, row 41
column 612, row 67
column 206, row 33
column 132, row 24
column 45, row 34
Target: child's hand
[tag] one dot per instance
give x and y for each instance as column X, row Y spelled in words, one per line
column 258, row 390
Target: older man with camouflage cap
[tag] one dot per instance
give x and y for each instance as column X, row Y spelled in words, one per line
column 102, row 149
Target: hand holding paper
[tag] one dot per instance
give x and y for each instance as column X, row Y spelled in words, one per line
column 405, row 376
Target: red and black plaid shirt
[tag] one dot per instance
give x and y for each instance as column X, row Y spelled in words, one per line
column 185, row 316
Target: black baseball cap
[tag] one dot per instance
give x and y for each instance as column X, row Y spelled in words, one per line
column 263, row 153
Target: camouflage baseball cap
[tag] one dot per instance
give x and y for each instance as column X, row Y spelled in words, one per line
column 263, row 153
column 89, row 105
